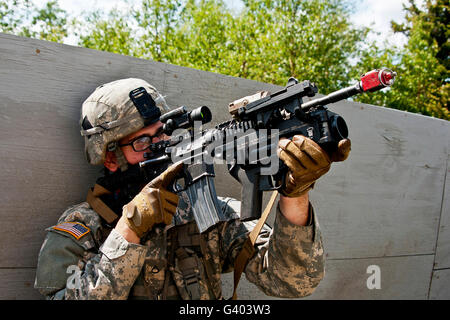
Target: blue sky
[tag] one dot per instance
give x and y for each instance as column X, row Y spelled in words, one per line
column 374, row 13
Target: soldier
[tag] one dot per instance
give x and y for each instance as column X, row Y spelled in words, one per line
column 134, row 239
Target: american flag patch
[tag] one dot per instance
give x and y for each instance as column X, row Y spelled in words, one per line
column 74, row 228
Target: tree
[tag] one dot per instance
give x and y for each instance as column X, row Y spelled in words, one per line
column 203, row 37
column 13, row 13
column 51, row 23
column 106, row 32
column 304, row 39
column 436, row 20
column 23, row 18
column 422, row 65
column 157, row 22
column 267, row 41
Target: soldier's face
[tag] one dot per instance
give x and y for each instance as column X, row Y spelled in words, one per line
column 152, row 131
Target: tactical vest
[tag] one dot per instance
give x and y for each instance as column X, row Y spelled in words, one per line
column 177, row 266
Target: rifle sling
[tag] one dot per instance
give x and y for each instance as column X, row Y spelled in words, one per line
column 248, row 249
column 93, row 198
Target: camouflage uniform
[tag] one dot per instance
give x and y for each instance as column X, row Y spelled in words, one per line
column 175, row 261
column 83, row 257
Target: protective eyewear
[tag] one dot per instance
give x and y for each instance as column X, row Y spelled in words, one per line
column 143, row 142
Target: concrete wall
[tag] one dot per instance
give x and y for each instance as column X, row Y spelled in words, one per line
column 387, row 205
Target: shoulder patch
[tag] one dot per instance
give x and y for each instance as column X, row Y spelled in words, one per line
column 76, row 229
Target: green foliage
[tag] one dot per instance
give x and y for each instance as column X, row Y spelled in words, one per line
column 157, row 22
column 205, row 37
column 51, row 21
column 423, row 82
column 8, row 23
column 106, row 33
column 23, row 18
column 12, row 15
column 267, row 41
column 435, row 22
column 304, row 39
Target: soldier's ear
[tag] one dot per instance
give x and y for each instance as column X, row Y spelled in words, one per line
column 111, row 161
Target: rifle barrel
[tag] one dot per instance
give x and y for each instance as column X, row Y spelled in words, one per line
column 333, row 97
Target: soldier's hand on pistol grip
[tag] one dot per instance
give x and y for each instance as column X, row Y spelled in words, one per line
column 307, row 162
column 154, row 204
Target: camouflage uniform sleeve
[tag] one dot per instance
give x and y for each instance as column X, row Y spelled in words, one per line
column 71, row 268
column 109, row 274
column 288, row 262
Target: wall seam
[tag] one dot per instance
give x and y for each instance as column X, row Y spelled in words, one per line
column 439, row 227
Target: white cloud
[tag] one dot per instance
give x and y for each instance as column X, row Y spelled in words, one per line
column 378, row 14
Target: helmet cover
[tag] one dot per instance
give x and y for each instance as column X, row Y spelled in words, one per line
column 109, row 115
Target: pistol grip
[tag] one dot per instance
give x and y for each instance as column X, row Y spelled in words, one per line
column 251, row 195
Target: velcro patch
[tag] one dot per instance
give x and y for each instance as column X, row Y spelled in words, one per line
column 76, row 229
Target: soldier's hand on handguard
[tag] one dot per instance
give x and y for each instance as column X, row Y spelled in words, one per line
column 154, row 204
column 307, row 162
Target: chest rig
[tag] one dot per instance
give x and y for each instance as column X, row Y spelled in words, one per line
column 179, row 263
column 177, row 266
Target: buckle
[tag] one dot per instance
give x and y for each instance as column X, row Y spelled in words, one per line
column 192, row 285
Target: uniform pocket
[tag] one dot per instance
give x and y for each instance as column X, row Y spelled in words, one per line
column 154, row 275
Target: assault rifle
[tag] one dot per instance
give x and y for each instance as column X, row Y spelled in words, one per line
column 248, row 142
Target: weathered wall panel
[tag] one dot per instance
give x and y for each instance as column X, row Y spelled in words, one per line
column 400, row 278
column 382, row 206
column 42, row 87
column 17, row 284
column 440, row 284
column 387, row 196
column 443, row 243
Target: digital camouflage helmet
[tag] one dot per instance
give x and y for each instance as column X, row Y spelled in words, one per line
column 115, row 110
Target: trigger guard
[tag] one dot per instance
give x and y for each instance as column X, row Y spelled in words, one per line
column 176, row 187
column 283, row 172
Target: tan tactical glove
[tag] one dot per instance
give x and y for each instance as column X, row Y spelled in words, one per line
column 154, row 204
column 307, row 162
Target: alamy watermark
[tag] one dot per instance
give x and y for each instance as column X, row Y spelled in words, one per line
column 374, row 280
column 237, row 145
column 73, row 281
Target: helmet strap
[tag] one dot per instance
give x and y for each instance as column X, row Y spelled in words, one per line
column 120, row 157
column 121, row 160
